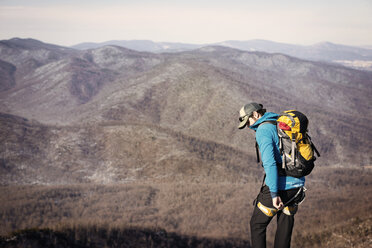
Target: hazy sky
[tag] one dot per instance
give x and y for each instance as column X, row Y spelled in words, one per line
column 303, row 22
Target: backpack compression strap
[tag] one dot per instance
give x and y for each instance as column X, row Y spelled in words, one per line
column 304, row 121
column 313, row 146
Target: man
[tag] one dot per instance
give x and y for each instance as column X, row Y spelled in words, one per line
column 279, row 194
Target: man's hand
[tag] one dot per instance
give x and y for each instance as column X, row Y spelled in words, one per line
column 277, row 202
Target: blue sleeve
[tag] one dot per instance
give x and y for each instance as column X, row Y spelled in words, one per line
column 266, row 143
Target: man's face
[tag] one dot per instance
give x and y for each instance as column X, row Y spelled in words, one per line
column 252, row 119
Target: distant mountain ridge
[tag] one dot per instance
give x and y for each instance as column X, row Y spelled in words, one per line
column 141, row 45
column 324, row 51
column 112, row 114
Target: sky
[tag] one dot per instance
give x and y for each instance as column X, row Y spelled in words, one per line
column 301, row 22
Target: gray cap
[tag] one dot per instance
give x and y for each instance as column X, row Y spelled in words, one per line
column 246, row 111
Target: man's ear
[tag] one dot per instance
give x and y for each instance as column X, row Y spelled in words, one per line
column 256, row 115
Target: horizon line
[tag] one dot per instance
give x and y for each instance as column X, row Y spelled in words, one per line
column 366, row 46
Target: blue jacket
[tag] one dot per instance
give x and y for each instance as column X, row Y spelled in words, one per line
column 268, row 143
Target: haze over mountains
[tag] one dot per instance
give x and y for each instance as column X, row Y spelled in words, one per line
column 111, row 114
column 357, row 57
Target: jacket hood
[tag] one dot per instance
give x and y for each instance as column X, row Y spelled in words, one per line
column 268, row 116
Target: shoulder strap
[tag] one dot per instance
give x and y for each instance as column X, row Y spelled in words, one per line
column 268, row 122
column 257, row 149
column 257, row 153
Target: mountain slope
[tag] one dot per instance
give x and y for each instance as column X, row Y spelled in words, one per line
column 127, row 110
column 115, row 152
column 7, row 80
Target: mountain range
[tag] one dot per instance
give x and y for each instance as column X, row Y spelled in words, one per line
column 356, row 57
column 110, row 114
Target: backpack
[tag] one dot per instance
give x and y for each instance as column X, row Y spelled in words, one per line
column 295, row 145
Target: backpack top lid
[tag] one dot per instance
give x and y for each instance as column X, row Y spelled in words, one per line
column 293, row 122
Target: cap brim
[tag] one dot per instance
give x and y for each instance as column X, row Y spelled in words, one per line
column 243, row 123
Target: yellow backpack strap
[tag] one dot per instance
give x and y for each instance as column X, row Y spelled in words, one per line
column 290, row 210
column 270, row 212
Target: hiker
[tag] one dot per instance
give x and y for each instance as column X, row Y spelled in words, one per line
column 279, row 194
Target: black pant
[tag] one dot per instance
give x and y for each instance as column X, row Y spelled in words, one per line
column 260, row 221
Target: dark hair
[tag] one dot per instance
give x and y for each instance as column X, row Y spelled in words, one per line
column 261, row 111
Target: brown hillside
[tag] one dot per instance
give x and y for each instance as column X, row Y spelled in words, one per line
column 197, row 93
